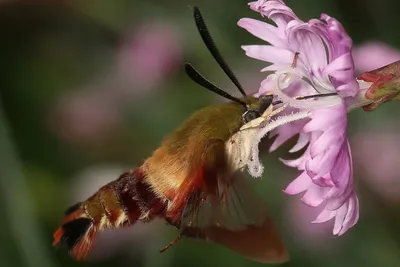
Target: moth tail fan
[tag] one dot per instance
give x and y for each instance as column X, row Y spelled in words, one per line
column 77, row 233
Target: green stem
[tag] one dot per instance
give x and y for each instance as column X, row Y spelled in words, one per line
column 18, row 208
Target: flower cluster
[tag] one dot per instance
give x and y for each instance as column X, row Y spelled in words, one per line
column 310, row 58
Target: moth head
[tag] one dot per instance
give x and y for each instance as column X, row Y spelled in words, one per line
column 257, row 108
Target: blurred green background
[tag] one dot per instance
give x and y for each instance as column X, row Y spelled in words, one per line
column 89, row 88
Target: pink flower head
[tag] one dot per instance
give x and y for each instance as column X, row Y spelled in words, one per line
column 310, row 58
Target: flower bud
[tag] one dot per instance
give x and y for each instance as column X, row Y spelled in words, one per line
column 385, row 85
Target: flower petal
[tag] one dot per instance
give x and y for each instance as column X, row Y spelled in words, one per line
column 269, row 53
column 341, row 70
column 339, row 219
column 264, row 31
column 311, row 46
column 275, row 10
column 303, row 140
column 325, row 216
column 314, row 196
column 298, row 185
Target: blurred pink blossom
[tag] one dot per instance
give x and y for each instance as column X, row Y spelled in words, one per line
column 143, row 62
column 150, row 55
column 374, row 54
column 377, row 158
column 85, row 117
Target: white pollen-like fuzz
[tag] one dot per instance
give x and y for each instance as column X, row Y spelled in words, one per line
column 255, row 168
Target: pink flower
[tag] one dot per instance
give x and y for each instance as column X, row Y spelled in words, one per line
column 85, row 117
column 94, row 112
column 324, row 65
column 150, row 55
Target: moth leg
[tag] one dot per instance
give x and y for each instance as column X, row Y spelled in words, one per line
column 170, row 244
column 277, row 111
column 187, row 231
column 273, row 113
column 253, row 123
column 264, row 119
column 197, row 210
column 193, row 232
column 178, row 224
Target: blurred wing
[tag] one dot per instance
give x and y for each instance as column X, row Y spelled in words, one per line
column 260, row 243
column 235, row 218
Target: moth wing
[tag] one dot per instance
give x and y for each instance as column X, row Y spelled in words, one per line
column 260, row 243
column 237, row 219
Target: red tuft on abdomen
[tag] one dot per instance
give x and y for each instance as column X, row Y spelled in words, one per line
column 117, row 204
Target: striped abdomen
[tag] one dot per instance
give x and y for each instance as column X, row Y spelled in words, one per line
column 117, row 204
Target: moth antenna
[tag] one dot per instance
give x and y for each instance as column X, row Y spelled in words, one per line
column 201, row 80
column 208, row 41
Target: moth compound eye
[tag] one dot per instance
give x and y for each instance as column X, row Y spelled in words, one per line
column 250, row 115
column 265, row 102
